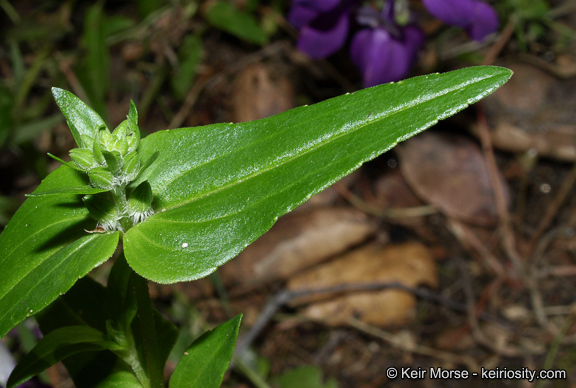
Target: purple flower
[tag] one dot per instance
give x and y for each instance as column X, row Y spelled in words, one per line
column 323, row 25
column 383, row 50
column 476, row 17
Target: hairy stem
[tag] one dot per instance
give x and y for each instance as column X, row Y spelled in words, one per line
column 121, row 201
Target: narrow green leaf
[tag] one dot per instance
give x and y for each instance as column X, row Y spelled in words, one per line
column 45, row 248
column 189, row 54
column 225, row 16
column 96, row 64
column 217, row 188
column 81, row 119
column 57, row 346
column 204, row 363
column 72, row 165
column 29, row 131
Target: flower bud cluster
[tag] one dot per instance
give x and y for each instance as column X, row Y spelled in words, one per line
column 112, row 162
column 110, row 159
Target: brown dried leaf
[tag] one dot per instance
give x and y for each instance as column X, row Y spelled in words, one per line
column 450, row 173
column 298, row 241
column 534, row 111
column 257, row 94
column 410, row 264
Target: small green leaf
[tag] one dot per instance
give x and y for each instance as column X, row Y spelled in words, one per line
column 82, row 120
column 83, row 158
column 113, row 161
column 57, row 346
column 204, row 363
column 225, row 16
column 131, row 166
column 140, row 200
column 217, row 188
column 45, row 249
column 101, row 177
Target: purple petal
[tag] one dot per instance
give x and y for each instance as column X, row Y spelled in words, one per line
column 300, row 16
column 318, row 5
column 305, row 11
column 455, row 12
column 325, row 35
column 380, row 57
column 478, row 18
column 414, row 39
column 484, row 22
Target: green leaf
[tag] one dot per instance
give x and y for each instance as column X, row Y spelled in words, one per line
column 45, row 249
column 29, row 131
column 96, row 64
column 81, row 119
column 86, row 303
column 57, row 346
column 227, row 17
column 189, row 54
column 217, row 188
column 80, row 190
column 83, row 304
column 206, row 360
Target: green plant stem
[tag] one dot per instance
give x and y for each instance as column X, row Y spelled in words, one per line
column 119, row 195
column 148, row 332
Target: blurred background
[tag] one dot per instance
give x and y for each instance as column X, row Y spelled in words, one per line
column 457, row 249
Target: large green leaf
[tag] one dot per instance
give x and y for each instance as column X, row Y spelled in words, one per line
column 45, row 248
column 217, row 188
column 204, row 363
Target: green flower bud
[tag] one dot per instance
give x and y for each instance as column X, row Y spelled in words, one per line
column 101, row 178
column 83, row 158
column 131, row 167
column 132, row 137
column 97, row 149
column 106, row 140
column 140, row 202
column 87, row 141
column 102, row 209
column 119, row 136
column 113, row 160
column 141, row 198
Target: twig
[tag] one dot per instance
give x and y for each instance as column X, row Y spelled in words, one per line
column 554, row 206
column 286, row 296
column 503, row 38
column 490, row 261
column 508, row 239
column 472, row 312
column 360, row 204
column 398, row 343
